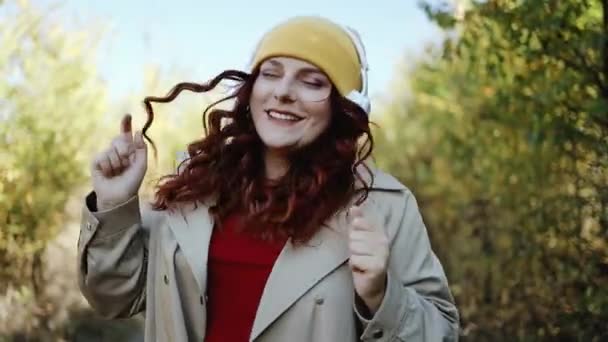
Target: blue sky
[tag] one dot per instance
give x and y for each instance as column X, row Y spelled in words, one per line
column 205, row 37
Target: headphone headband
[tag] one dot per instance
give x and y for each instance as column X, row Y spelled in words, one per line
column 358, row 43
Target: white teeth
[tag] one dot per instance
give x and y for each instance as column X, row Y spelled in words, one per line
column 281, row 116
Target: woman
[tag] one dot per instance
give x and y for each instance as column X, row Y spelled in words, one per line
column 275, row 228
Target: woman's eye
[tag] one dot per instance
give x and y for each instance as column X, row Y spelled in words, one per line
column 313, row 84
column 269, row 74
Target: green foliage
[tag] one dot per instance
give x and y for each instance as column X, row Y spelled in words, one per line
column 504, row 139
column 49, row 101
column 53, row 120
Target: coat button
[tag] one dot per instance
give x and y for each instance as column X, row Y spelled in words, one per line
column 319, row 301
column 89, row 226
column 166, row 279
column 377, row 334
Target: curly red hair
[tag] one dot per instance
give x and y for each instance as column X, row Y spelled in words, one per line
column 227, row 164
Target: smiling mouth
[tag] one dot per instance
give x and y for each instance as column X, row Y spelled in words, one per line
column 284, row 116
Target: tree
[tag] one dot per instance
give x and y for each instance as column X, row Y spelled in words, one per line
column 54, row 116
column 50, row 99
column 504, row 139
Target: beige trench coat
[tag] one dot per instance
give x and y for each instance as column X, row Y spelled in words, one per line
column 132, row 259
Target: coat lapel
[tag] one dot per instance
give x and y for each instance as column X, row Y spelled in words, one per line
column 192, row 229
column 298, row 269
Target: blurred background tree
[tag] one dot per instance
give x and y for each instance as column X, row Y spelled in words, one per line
column 54, row 113
column 50, row 102
column 503, row 135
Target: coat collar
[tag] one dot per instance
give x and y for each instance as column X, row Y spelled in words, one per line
column 378, row 180
column 327, row 250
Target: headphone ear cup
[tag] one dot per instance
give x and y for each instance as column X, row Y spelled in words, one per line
column 361, row 100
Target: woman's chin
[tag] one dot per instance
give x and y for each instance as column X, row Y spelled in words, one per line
column 280, row 144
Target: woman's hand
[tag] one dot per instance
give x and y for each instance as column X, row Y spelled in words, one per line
column 118, row 171
column 369, row 250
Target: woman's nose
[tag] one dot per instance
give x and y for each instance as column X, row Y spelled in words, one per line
column 284, row 91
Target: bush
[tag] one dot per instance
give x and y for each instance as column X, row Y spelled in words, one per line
column 504, row 139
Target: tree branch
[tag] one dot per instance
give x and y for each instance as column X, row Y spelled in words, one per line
column 586, row 69
column 585, row 66
column 593, row 73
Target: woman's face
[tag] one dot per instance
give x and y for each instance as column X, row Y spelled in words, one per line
column 290, row 103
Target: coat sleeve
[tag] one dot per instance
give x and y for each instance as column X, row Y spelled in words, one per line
column 113, row 258
column 417, row 305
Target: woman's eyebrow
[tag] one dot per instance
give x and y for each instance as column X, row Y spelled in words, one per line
column 304, row 70
column 275, row 63
column 312, row 71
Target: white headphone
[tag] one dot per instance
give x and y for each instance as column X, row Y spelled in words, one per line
column 359, row 97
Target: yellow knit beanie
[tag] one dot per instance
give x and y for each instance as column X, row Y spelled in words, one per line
column 318, row 41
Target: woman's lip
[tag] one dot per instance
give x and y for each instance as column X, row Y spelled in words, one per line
column 281, row 121
column 283, row 112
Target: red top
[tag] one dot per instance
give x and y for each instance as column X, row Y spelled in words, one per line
column 238, row 268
